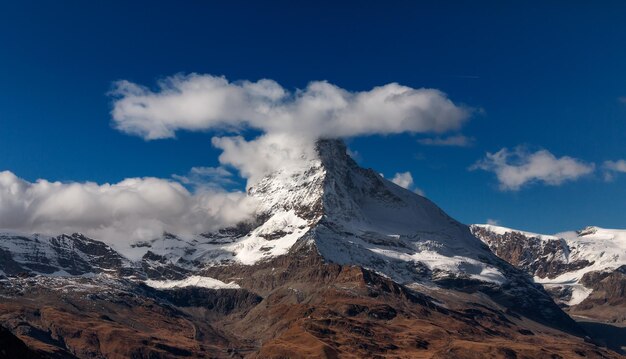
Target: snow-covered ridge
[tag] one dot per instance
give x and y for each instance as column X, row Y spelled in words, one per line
column 56, row 255
column 606, row 248
column 503, row 230
column 192, row 281
column 571, row 254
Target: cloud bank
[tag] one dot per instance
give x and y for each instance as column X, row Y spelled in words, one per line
column 134, row 209
column 517, row 168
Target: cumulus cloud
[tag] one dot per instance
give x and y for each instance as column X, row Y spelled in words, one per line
column 202, row 102
column 519, row 167
column 134, row 209
column 405, row 180
column 455, row 140
column 265, row 154
column 289, row 121
column 611, row 167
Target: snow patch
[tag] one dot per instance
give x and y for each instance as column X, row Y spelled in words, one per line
column 193, row 281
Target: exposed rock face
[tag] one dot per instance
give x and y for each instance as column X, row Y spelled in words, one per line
column 583, row 270
column 70, row 254
column 543, row 258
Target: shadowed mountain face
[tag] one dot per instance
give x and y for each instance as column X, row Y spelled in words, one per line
column 338, row 262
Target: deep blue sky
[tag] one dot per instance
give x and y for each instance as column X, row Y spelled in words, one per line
column 548, row 76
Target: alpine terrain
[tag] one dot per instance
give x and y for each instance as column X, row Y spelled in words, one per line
column 584, row 271
column 337, row 263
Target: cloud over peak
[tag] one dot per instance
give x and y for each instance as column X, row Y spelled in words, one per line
column 519, row 167
column 289, row 121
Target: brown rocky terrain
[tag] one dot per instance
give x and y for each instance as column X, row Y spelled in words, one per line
column 607, row 302
column 336, row 263
column 295, row 306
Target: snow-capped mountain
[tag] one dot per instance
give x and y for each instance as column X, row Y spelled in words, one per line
column 571, row 265
column 350, row 215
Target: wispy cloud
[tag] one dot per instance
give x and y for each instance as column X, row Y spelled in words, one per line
column 200, row 177
column 517, row 168
column 455, row 140
column 612, row 167
column 405, row 179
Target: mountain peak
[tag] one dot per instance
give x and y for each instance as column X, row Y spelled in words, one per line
column 332, row 152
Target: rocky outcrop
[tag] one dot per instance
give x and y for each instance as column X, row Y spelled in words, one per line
column 65, row 254
column 584, row 272
column 543, row 258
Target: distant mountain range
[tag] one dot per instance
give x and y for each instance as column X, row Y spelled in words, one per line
column 585, row 271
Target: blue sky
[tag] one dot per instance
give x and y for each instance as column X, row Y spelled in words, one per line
column 546, row 78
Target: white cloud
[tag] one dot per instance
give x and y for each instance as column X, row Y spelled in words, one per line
column 519, row 167
column 493, row 222
column 455, row 140
column 610, row 167
column 215, row 177
column 405, row 179
column 202, row 102
column 616, row 166
column 265, row 154
column 134, row 209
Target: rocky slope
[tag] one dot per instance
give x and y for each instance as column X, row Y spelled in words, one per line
column 338, row 262
column 304, row 307
column 584, row 270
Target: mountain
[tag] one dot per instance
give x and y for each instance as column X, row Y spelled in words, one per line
column 585, row 271
column 61, row 255
column 337, row 262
